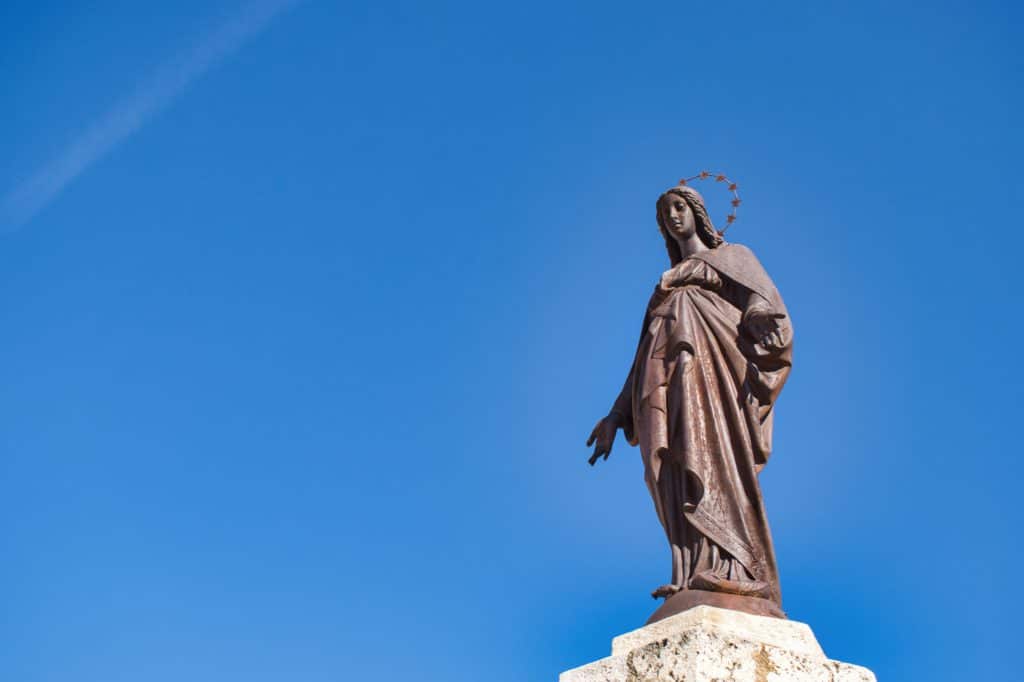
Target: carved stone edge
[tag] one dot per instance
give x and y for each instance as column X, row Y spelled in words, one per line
column 704, row 646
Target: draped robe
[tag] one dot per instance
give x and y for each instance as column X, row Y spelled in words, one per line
column 698, row 401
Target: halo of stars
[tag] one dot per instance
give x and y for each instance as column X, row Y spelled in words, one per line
column 732, row 187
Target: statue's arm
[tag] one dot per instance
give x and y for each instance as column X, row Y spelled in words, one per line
column 622, row 408
column 763, row 322
column 755, row 304
column 619, row 417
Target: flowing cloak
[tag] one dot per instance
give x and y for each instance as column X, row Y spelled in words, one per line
column 698, row 400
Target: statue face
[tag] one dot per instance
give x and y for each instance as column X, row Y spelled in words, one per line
column 679, row 219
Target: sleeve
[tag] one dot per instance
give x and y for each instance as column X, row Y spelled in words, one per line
column 623, row 405
column 756, row 305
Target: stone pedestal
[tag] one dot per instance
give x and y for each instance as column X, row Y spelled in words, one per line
column 708, row 644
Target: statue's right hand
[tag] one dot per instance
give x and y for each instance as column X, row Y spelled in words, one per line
column 602, row 437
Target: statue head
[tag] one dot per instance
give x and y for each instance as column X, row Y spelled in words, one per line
column 693, row 205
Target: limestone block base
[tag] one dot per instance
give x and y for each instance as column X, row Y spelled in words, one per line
column 708, row 644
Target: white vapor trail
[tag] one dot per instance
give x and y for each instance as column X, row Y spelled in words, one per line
column 26, row 199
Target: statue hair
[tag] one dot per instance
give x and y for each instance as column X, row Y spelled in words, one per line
column 705, row 228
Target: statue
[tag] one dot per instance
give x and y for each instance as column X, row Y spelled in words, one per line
column 714, row 352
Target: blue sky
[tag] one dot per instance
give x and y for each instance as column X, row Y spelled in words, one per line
column 298, row 362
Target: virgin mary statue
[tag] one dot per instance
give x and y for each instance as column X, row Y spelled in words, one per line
column 714, row 352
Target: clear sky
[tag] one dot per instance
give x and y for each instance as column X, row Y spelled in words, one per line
column 307, row 309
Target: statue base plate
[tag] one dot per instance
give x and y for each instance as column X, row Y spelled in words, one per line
column 684, row 600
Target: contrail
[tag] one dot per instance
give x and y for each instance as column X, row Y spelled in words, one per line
column 29, row 197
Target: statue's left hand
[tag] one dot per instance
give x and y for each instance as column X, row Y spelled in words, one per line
column 764, row 326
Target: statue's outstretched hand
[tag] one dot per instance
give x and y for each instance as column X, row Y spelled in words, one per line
column 602, row 437
column 764, row 326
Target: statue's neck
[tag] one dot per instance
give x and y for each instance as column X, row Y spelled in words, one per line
column 689, row 246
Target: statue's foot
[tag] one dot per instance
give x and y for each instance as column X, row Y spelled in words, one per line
column 665, row 591
column 706, row 580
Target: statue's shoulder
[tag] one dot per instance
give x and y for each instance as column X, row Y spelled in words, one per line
column 738, row 250
column 730, row 253
column 738, row 263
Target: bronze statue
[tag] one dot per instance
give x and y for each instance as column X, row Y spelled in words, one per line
column 714, row 352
